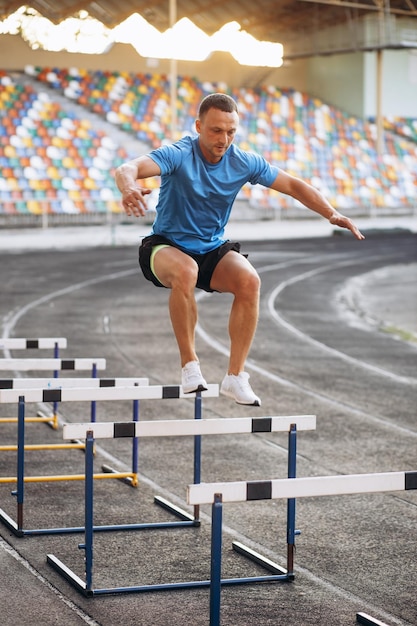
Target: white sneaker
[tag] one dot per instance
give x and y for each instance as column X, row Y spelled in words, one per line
column 192, row 378
column 238, row 388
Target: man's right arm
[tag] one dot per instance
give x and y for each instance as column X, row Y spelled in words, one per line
column 126, row 177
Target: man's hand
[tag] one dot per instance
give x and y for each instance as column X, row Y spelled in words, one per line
column 134, row 200
column 337, row 219
column 126, row 177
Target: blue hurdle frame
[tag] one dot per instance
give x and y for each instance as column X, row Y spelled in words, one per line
column 278, row 573
column 183, row 518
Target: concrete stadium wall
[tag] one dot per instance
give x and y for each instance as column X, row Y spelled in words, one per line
column 338, row 80
column 399, row 87
column 349, row 81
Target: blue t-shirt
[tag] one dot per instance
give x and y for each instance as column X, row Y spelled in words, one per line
column 196, row 196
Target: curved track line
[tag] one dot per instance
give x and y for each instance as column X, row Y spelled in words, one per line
column 12, row 319
column 318, row 344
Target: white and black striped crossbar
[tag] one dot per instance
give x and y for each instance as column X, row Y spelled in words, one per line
column 25, row 365
column 65, row 383
column 178, row 428
column 150, row 392
column 313, row 486
column 21, row 343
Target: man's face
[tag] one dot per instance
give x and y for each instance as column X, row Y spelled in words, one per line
column 217, row 130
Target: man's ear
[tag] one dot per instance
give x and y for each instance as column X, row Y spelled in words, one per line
column 197, row 126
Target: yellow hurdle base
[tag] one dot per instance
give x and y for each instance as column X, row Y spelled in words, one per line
column 132, row 477
column 52, row 420
column 45, row 446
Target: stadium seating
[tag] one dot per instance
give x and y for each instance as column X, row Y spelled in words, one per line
column 51, row 161
column 54, row 161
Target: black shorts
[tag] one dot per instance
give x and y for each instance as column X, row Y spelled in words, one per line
column 206, row 262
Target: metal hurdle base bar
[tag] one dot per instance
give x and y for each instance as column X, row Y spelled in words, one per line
column 82, row 586
column 176, row 510
column 261, row 560
column 368, row 620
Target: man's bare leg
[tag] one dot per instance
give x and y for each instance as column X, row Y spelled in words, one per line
column 234, row 274
column 179, row 272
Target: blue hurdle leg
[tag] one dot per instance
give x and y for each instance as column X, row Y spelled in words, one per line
column 291, row 531
column 216, row 560
column 135, row 442
column 55, row 404
column 197, row 450
column 89, row 480
column 20, row 462
column 93, row 403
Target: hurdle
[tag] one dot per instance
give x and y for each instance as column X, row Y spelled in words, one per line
column 166, row 428
column 40, row 343
column 56, row 365
column 98, row 393
column 217, row 494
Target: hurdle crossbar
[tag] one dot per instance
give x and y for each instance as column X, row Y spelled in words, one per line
column 26, row 365
column 178, row 428
column 23, row 343
column 302, row 487
column 65, row 383
column 102, row 393
column 212, row 427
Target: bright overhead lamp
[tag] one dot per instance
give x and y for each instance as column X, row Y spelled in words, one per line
column 184, row 41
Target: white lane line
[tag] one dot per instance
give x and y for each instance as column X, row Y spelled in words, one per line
column 11, row 322
column 318, row 344
column 13, row 317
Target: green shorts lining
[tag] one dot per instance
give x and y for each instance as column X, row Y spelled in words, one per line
column 155, row 249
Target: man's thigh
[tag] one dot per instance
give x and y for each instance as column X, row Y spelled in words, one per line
column 170, row 264
column 232, row 271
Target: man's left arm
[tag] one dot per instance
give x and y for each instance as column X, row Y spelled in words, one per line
column 314, row 200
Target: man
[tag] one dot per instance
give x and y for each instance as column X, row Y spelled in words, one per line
column 200, row 178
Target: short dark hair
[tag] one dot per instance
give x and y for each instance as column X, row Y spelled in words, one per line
column 220, row 101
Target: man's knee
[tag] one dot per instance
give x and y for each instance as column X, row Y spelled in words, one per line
column 184, row 276
column 248, row 283
column 254, row 281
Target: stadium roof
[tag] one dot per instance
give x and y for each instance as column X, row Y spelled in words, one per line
column 267, row 20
